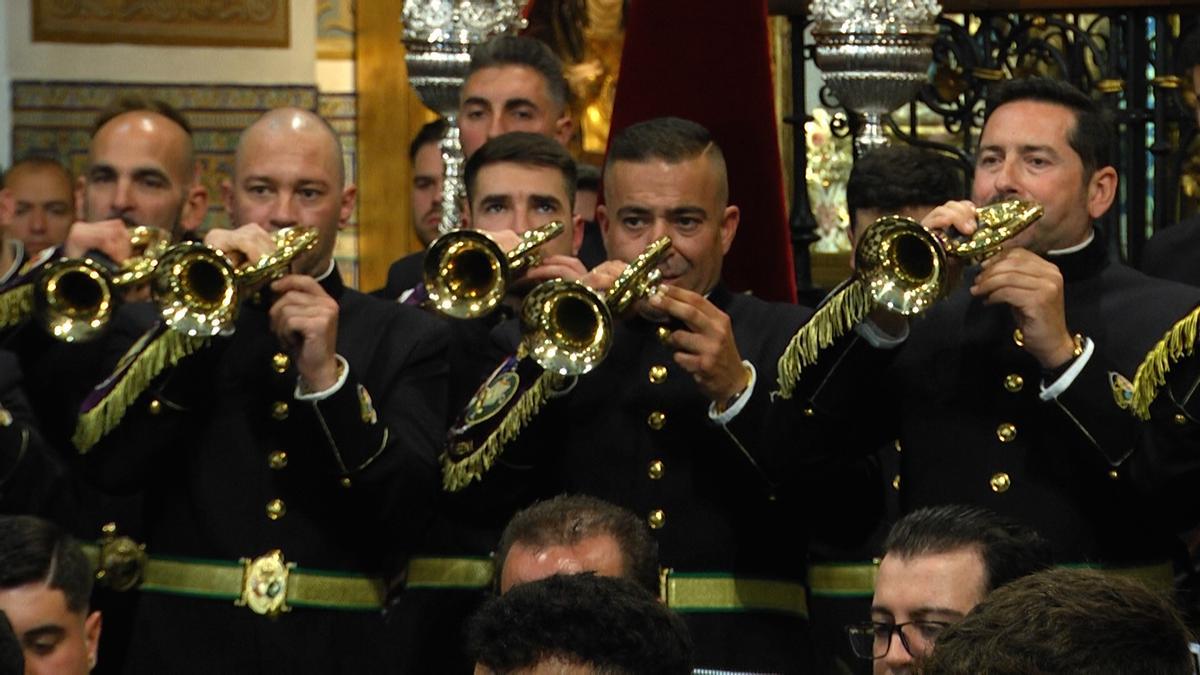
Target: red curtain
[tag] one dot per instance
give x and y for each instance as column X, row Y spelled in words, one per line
column 709, row 61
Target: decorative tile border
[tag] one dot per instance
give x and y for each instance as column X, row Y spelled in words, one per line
column 231, row 23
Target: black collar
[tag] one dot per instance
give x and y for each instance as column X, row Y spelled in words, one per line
column 1086, row 262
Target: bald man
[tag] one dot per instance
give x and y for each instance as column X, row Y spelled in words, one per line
column 287, row 467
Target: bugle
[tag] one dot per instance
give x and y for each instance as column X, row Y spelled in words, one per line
column 467, row 274
column 567, row 327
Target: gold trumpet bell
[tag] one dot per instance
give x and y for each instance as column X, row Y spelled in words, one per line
column 195, row 290
column 567, row 327
column 902, row 264
column 73, row 299
column 466, row 274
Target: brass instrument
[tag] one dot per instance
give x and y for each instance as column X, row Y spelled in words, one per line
column 197, row 288
column 467, row 274
column 904, row 265
column 567, row 327
column 74, row 298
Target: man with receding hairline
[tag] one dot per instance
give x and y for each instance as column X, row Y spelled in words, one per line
column 43, row 202
column 275, row 457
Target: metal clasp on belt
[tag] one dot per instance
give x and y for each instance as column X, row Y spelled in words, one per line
column 121, row 561
column 265, row 584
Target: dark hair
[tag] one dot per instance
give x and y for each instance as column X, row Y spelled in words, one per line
column 1092, row 137
column 1067, row 621
column 522, row 147
column 1009, row 549
column 567, row 519
column 898, row 176
column 34, row 550
column 39, row 162
column 608, row 623
column 588, row 178
column 670, row 139
column 431, row 132
column 134, row 102
column 515, row 50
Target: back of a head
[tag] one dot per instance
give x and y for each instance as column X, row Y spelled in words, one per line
column 524, row 148
column 1067, row 622
column 566, row 519
column 669, row 139
column 899, row 176
column 33, row 550
column 1009, row 549
column 608, row 624
column 1094, row 134
column 515, row 50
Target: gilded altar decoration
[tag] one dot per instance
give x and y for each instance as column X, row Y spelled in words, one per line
column 232, row 23
column 828, row 170
column 874, row 55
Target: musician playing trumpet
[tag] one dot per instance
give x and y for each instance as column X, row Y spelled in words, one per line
column 282, row 452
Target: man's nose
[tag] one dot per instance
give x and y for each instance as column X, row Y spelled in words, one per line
column 1006, row 182
column 496, row 128
column 283, row 212
column 123, row 197
column 38, row 222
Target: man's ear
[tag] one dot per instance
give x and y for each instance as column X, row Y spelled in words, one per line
column 1102, row 190
column 602, row 222
column 577, row 226
column 81, row 198
column 227, row 195
column 564, row 127
column 349, row 194
column 6, row 206
column 91, row 636
column 195, row 207
column 729, row 226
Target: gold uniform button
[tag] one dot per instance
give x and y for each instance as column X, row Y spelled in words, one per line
column 656, row 470
column 809, row 412
column 277, row 460
column 1180, row 419
column 896, row 482
column 1113, row 474
column 1013, row 383
column 656, row 519
column 1000, row 482
column 280, row 362
column 279, row 410
column 155, row 406
column 656, row 420
column 1019, row 337
column 664, row 334
column 276, row 509
column 897, row 444
column 1006, row 432
column 6, row 418
column 345, row 482
column 658, row 374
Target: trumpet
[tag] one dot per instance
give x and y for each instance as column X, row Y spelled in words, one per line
column 467, row 274
column 197, row 288
column 74, row 298
column 567, row 327
column 904, row 266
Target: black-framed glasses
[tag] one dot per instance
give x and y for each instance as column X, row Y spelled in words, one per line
column 872, row 639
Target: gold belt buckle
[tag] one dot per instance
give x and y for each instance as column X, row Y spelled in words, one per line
column 264, row 584
column 122, row 561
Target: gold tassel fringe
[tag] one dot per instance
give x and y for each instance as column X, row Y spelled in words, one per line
column 458, row 475
column 16, row 305
column 1178, row 342
column 832, row 320
column 163, row 352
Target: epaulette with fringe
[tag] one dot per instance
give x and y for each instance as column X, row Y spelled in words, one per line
column 156, row 351
column 841, row 311
column 16, row 304
column 1177, row 343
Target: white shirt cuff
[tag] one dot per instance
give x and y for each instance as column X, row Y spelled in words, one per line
column 343, row 373
column 877, row 338
column 731, row 412
column 1060, row 385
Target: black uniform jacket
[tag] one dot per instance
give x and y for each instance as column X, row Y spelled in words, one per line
column 962, row 398
column 354, row 476
column 636, row 432
column 1174, row 253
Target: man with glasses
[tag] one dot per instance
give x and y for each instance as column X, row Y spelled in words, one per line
column 938, row 563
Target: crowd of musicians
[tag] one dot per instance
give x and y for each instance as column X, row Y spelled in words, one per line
column 270, row 471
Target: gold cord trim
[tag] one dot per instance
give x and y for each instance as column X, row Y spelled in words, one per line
column 1178, row 342
column 163, row 352
column 458, row 475
column 833, row 319
column 16, row 305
